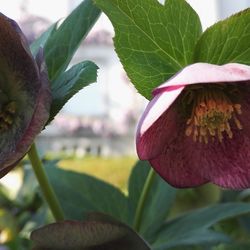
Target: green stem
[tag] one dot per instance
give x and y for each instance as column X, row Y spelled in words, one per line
column 46, row 188
column 142, row 200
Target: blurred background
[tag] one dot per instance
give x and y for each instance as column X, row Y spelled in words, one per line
column 94, row 132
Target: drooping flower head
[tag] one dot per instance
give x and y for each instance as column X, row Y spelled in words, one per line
column 196, row 129
column 24, row 95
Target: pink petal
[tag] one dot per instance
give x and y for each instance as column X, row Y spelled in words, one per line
column 185, row 163
column 227, row 164
column 154, row 129
column 207, row 73
column 179, row 162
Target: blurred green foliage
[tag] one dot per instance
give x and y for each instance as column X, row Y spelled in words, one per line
column 114, row 170
column 26, row 210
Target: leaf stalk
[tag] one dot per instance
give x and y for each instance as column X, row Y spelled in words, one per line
column 45, row 186
column 142, row 200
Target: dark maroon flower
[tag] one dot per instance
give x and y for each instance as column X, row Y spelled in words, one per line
column 196, row 128
column 24, row 95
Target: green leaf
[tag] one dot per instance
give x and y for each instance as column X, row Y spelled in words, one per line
column 233, row 246
column 69, row 83
column 41, row 40
column 96, row 233
column 63, row 43
column 202, row 237
column 80, row 193
column 179, row 231
column 158, row 201
column 226, row 41
column 153, row 41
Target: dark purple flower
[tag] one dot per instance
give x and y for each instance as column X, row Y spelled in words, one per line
column 196, row 129
column 25, row 96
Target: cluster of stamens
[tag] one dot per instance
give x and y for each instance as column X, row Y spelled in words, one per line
column 7, row 115
column 211, row 116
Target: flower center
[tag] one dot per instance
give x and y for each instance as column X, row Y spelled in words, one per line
column 211, row 115
column 7, row 115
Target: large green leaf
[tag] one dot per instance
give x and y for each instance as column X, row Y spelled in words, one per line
column 69, row 83
column 158, row 200
column 81, row 193
column 62, row 44
column 187, row 229
column 153, row 41
column 226, row 41
column 203, row 237
column 200, row 238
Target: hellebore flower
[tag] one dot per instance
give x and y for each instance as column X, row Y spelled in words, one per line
column 24, row 95
column 196, row 128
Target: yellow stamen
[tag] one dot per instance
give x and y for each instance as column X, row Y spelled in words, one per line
column 237, row 122
column 211, row 115
column 238, row 108
column 7, row 115
column 189, row 130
